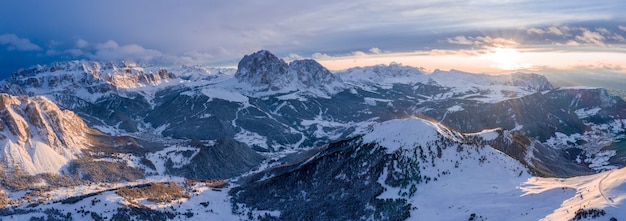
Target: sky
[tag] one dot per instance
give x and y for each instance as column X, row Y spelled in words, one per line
column 563, row 38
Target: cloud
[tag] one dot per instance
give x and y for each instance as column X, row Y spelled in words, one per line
column 293, row 57
column 557, row 31
column 460, row 40
column 112, row 51
column 16, row 43
column 618, row 38
column 623, row 28
column 110, row 44
column 603, row 31
column 538, row 31
column 591, row 37
column 484, row 42
column 321, row 56
column 375, row 50
column 553, row 30
column 496, row 42
column 572, row 43
column 75, row 52
column 582, row 36
column 80, row 43
column 359, row 54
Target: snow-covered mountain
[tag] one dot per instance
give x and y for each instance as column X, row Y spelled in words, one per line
column 84, row 75
column 38, row 137
column 300, row 132
column 417, row 169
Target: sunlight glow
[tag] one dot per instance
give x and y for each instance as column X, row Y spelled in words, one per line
column 506, row 59
column 493, row 61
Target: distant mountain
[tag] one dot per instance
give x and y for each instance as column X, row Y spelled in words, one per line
column 265, row 73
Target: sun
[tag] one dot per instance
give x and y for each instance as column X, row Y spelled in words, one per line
column 505, row 58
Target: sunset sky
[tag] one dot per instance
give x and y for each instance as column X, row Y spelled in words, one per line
column 488, row 36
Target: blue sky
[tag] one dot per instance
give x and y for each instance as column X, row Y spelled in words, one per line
column 478, row 36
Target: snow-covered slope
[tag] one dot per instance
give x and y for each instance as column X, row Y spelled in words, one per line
column 37, row 137
column 422, row 170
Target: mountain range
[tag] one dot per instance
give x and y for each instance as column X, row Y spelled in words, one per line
column 294, row 141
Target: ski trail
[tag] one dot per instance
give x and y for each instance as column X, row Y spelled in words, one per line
column 601, row 189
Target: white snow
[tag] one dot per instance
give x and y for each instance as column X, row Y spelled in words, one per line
column 592, row 143
column 206, row 203
column 292, row 96
column 490, row 184
column 577, row 88
column 224, row 94
column 406, row 133
column 455, row 108
column 173, row 153
column 585, row 113
column 251, row 139
column 489, row 134
column 374, row 101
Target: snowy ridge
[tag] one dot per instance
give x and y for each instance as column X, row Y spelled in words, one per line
column 472, row 178
column 462, row 85
column 408, row 134
column 383, row 75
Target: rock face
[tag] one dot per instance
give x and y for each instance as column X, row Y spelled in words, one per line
column 266, row 72
column 309, row 74
column 36, row 136
column 263, row 70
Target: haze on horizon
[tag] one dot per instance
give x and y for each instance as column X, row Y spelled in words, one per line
column 565, row 39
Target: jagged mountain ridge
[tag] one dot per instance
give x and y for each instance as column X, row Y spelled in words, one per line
column 86, row 73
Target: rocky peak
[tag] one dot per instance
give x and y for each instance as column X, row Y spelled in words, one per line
column 310, row 73
column 262, row 69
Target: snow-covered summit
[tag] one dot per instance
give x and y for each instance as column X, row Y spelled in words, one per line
column 408, row 133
